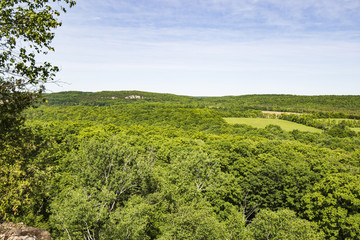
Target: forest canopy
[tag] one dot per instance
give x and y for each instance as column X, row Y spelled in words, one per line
column 109, row 166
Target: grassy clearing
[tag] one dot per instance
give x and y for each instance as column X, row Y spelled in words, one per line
column 279, row 113
column 263, row 122
column 356, row 130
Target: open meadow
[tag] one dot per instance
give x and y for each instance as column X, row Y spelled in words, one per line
column 263, row 122
column 356, row 130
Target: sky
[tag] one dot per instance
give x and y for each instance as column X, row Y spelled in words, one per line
column 210, row 47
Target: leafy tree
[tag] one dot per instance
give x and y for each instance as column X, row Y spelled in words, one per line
column 26, row 31
column 282, row 224
column 195, row 220
column 26, row 165
column 235, row 226
column 341, row 131
column 138, row 219
column 334, row 204
column 96, row 180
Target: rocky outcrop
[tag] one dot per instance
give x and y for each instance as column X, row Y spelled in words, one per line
column 134, row 97
column 19, row 231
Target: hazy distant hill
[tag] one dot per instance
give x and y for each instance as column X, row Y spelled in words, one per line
column 110, row 97
column 348, row 104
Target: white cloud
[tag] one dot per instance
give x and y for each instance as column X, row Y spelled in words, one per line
column 286, row 14
column 233, row 47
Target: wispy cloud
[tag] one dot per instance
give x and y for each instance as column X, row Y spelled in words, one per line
column 305, row 14
column 211, row 47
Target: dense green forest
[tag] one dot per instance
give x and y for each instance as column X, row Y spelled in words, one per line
column 139, row 165
column 346, row 105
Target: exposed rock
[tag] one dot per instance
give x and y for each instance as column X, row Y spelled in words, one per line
column 19, row 231
column 134, row 97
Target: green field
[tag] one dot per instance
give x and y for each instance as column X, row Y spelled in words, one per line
column 356, row 130
column 263, row 122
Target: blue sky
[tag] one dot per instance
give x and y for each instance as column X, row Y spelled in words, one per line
column 210, row 47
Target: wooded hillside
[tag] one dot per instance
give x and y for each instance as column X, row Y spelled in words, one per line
column 138, row 165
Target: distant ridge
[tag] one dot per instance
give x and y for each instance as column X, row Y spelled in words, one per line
column 347, row 104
